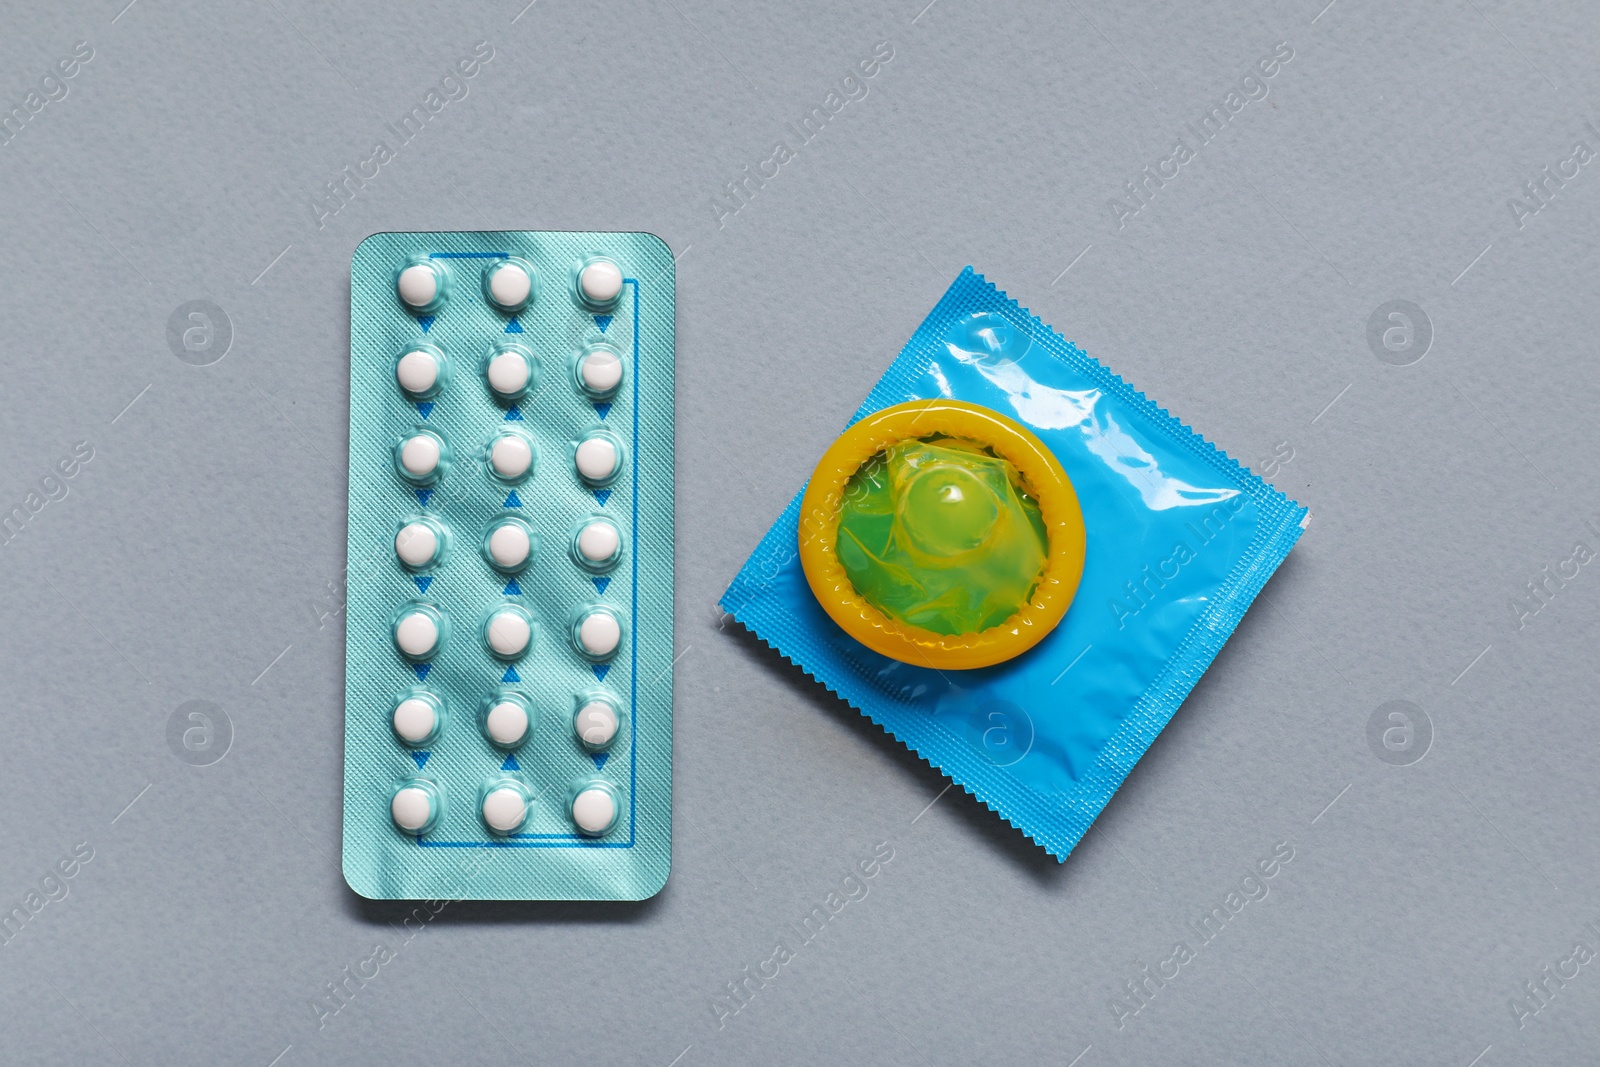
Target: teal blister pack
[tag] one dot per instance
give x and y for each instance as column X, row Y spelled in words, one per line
column 508, row 653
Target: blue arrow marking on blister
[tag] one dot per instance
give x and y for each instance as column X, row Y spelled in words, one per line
column 513, row 415
column 425, row 407
column 602, row 321
column 514, row 326
column 602, row 409
column 422, row 670
column 511, row 675
column 423, row 495
column 421, row 758
column 602, row 495
column 426, row 321
column 423, row 583
column 600, row 584
column 513, row 589
column 600, row 760
column 510, row 764
column 600, row 670
column 512, row 500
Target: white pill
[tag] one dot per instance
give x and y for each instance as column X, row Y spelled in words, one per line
column 594, row 810
column 509, row 633
column 415, row 720
column 508, row 373
column 597, row 459
column 418, row 285
column 420, row 455
column 416, row 544
column 511, row 455
column 599, row 633
column 505, row 809
column 600, row 281
column 601, row 370
column 510, row 285
column 596, row 723
column 412, row 808
column 509, row 545
column 598, row 541
column 507, row 723
column 417, row 371
column 417, row 634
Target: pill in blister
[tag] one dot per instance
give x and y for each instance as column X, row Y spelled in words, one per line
column 411, row 808
column 415, row 806
column 417, row 371
column 509, row 373
column 594, row 809
column 417, row 544
column 597, row 458
column 599, row 282
column 511, row 456
column 416, row 720
column 508, row 632
column 507, row 717
column 509, row 544
column 509, row 284
column 599, row 370
column 598, row 633
column 505, row 807
column 417, row 635
column 506, row 724
column 421, row 286
column 418, row 631
column 420, row 456
column 598, row 543
column 596, row 724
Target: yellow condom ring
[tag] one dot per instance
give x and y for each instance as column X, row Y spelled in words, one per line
column 1058, row 507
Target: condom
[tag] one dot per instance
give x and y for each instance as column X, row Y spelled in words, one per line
column 1015, row 563
column 943, row 534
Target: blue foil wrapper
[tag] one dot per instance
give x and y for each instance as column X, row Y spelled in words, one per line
column 1181, row 538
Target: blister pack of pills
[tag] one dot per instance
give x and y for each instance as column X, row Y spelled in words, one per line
column 508, row 677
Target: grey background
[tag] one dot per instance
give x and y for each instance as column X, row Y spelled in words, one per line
column 198, row 555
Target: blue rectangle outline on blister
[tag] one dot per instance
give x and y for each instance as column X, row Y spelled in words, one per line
column 578, row 840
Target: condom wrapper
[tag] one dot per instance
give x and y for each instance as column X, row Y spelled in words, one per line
column 1178, row 538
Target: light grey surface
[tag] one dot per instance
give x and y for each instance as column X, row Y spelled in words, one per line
column 197, row 556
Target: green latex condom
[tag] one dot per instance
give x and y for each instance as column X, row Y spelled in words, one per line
column 942, row 534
